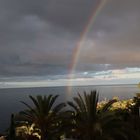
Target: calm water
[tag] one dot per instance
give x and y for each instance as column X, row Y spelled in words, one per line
column 10, row 98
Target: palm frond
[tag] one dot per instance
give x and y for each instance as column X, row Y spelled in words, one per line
column 108, row 105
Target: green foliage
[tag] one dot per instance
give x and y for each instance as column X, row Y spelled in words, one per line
column 135, row 109
column 45, row 115
column 84, row 119
column 91, row 123
column 134, row 113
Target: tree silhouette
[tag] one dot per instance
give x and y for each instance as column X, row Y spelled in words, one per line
column 45, row 115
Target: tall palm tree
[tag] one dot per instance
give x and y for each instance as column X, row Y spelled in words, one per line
column 45, row 115
column 90, row 123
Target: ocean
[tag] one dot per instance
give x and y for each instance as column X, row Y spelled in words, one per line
column 10, row 98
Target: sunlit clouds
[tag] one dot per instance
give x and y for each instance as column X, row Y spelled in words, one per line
column 119, row 76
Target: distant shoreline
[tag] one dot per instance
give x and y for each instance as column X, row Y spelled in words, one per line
column 68, row 86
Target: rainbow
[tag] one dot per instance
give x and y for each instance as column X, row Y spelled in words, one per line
column 82, row 38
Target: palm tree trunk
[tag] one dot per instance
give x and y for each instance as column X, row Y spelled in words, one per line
column 43, row 134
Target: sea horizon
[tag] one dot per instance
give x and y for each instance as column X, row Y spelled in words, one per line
column 114, row 84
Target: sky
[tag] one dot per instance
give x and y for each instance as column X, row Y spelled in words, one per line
column 38, row 41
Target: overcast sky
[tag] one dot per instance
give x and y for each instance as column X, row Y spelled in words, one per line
column 37, row 40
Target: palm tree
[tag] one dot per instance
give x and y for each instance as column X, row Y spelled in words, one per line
column 135, row 108
column 134, row 113
column 90, row 123
column 44, row 114
column 12, row 133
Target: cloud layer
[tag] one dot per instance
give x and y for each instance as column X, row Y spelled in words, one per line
column 38, row 37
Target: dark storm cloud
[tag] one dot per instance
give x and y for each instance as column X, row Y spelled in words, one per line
column 38, row 37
